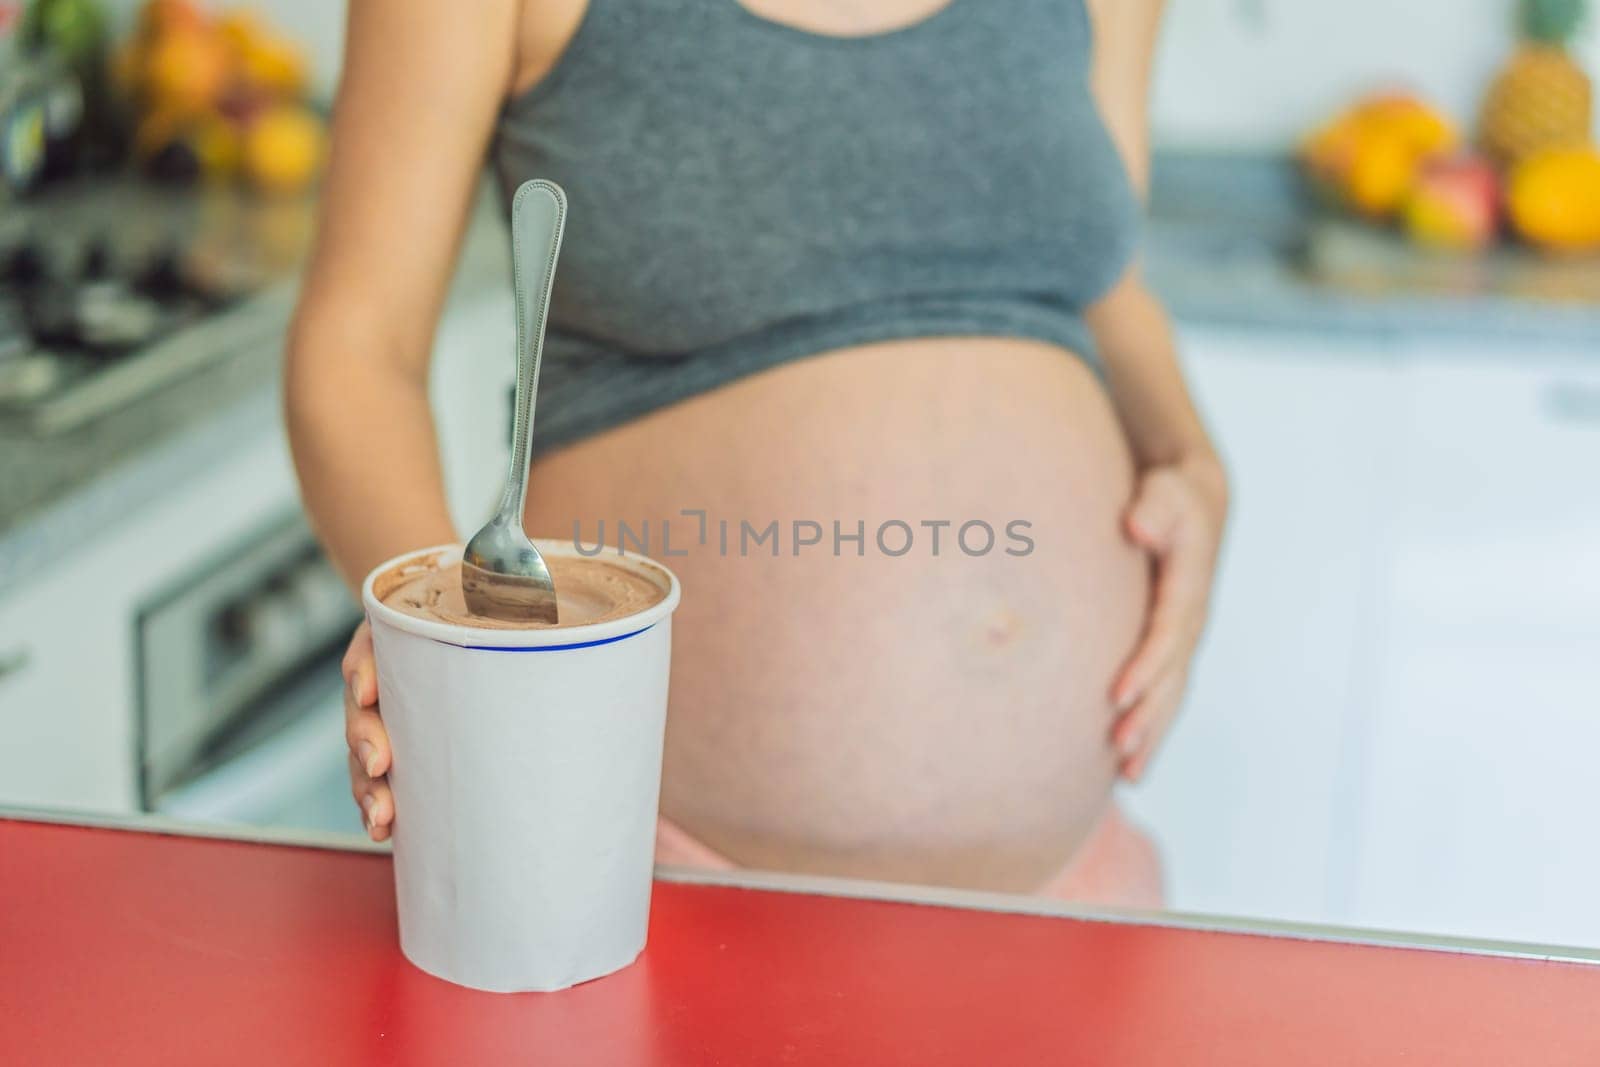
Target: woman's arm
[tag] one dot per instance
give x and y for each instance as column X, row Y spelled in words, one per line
column 422, row 84
column 417, row 101
column 1181, row 500
column 1130, row 326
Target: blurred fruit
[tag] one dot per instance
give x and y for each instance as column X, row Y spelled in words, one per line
column 1370, row 154
column 74, row 29
column 185, row 70
column 1542, row 98
column 240, row 26
column 218, row 146
column 1381, row 170
column 242, row 107
column 266, row 63
column 274, row 66
column 1326, row 152
column 283, row 149
column 1554, row 199
column 217, row 97
column 1454, row 204
column 1427, row 131
column 160, row 16
column 156, row 129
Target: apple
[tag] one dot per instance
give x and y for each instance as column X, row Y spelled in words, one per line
column 1454, row 203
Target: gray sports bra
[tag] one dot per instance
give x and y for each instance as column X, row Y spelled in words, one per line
column 743, row 193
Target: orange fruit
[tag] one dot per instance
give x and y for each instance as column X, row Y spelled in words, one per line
column 1554, row 199
column 1371, row 153
column 1382, row 167
column 268, row 63
column 1427, row 131
column 1327, row 151
column 217, row 145
column 162, row 16
column 185, row 70
column 274, row 66
column 283, row 149
column 240, row 27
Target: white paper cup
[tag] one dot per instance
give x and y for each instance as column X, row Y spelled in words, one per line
column 526, row 775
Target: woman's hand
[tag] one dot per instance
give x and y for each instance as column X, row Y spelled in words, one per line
column 364, row 733
column 1177, row 517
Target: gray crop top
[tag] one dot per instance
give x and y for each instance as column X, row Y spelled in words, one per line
column 743, row 193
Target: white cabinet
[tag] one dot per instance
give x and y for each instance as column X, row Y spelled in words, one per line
column 1395, row 717
column 1481, row 791
column 1249, row 799
column 68, row 715
column 66, row 697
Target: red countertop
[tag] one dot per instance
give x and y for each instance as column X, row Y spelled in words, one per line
column 121, row 947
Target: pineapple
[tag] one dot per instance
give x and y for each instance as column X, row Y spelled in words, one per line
column 1542, row 99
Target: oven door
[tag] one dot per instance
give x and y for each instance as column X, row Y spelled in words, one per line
column 286, row 771
column 239, row 684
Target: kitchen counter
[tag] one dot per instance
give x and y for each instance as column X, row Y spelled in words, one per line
column 60, row 489
column 1227, row 243
column 135, row 942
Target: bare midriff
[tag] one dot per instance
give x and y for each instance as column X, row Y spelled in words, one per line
column 937, row 718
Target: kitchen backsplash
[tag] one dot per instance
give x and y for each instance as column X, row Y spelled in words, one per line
column 1233, row 74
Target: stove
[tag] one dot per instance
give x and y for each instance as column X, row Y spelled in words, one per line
column 110, row 290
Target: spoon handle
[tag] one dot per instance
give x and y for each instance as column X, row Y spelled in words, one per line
column 538, row 215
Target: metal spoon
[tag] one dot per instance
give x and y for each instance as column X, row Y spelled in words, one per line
column 502, row 574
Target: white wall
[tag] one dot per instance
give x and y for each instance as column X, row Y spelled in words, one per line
column 1232, row 74
column 1251, row 74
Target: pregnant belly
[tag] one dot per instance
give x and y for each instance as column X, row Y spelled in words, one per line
column 937, row 715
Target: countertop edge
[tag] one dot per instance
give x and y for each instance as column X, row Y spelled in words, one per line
column 862, row 889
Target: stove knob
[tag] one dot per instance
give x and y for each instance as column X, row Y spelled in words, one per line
column 25, row 264
column 96, row 260
column 51, row 310
column 162, row 277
